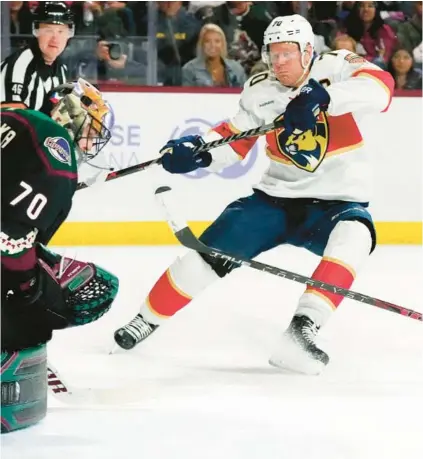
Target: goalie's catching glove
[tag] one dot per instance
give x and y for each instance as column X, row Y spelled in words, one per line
column 88, row 289
column 61, row 293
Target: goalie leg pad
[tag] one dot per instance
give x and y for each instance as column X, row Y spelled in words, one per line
column 23, row 388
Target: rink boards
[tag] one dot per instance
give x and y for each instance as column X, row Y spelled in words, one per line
column 124, row 212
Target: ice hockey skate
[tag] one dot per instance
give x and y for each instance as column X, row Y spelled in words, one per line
column 137, row 330
column 297, row 350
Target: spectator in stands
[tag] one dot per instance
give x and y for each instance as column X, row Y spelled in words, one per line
column 109, row 62
column 418, row 56
column 244, row 24
column 344, row 10
column 247, row 16
column 322, row 36
column 407, row 7
column 368, row 29
column 401, row 68
column 324, row 21
column 177, row 34
column 195, row 7
column 20, row 24
column 87, row 15
column 258, row 67
column 345, row 42
column 211, row 66
column 409, row 33
column 116, row 20
column 20, row 18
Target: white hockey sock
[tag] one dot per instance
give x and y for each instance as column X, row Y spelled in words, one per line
column 178, row 285
column 348, row 247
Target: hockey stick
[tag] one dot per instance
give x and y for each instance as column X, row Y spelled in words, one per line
column 123, row 172
column 87, row 396
column 56, row 385
column 206, row 146
column 187, row 238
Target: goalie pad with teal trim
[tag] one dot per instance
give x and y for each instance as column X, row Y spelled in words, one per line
column 23, row 388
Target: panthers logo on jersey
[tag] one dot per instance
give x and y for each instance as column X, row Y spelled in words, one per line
column 306, row 149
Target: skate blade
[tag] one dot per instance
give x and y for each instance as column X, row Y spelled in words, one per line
column 291, row 357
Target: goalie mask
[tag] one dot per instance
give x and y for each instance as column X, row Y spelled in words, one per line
column 80, row 108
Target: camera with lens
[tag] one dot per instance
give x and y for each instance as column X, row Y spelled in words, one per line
column 115, row 50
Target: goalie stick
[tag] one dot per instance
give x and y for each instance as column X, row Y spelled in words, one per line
column 55, row 383
column 206, row 146
column 76, row 396
column 187, row 238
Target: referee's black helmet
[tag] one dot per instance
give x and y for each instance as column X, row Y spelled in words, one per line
column 53, row 13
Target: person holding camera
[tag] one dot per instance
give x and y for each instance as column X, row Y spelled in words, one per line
column 109, row 62
column 28, row 75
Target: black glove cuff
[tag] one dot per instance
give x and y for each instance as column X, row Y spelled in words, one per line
column 207, row 158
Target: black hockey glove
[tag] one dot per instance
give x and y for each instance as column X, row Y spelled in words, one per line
column 300, row 114
column 179, row 156
column 31, row 311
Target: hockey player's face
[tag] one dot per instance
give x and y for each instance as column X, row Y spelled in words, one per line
column 52, row 40
column 88, row 137
column 285, row 59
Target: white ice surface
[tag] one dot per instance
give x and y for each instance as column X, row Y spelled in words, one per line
column 201, row 387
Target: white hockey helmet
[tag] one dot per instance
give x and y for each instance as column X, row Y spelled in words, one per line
column 291, row 29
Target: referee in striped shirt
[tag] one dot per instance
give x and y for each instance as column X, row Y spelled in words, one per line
column 28, row 75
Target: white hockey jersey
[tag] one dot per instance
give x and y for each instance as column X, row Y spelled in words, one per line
column 330, row 163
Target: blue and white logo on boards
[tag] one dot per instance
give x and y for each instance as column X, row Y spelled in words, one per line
column 59, row 148
column 199, row 126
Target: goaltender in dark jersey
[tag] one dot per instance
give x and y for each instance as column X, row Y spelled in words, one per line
column 39, row 178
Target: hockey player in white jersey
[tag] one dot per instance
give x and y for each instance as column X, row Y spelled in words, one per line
column 314, row 194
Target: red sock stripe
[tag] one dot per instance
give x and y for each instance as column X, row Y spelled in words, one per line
column 335, row 273
column 240, row 147
column 165, row 299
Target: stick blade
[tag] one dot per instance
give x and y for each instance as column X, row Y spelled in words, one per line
column 168, row 205
column 162, row 189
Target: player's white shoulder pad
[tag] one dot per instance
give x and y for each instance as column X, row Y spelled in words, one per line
column 335, row 66
column 257, row 88
column 327, row 66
